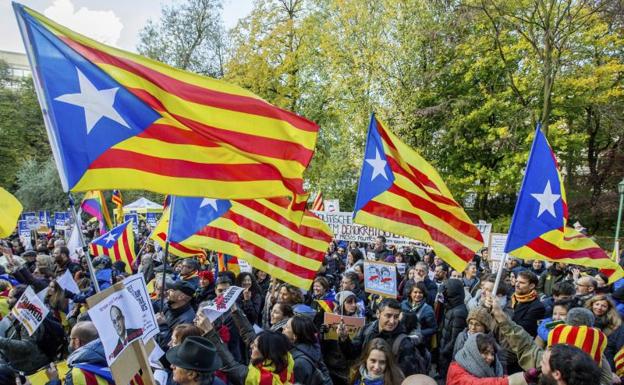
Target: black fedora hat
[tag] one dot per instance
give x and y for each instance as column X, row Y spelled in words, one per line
column 195, row 353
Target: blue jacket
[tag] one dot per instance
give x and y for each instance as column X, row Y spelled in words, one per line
column 89, row 354
column 426, row 318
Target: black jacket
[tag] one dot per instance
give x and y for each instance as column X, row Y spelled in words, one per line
column 174, row 317
column 528, row 314
column 454, row 317
column 406, row 356
column 307, row 358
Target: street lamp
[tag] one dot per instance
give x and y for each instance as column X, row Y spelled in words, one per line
column 619, row 220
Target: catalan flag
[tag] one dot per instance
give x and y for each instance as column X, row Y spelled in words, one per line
column 318, row 204
column 590, row 340
column 118, row 202
column 227, row 263
column 94, row 204
column 619, row 362
column 118, row 244
column 119, row 120
column 259, row 231
column 160, row 235
column 539, row 227
column 10, row 210
column 400, row 192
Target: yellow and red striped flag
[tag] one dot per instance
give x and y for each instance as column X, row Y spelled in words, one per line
column 10, row 210
column 318, row 204
column 619, row 363
column 118, row 244
column 539, row 227
column 119, row 120
column 401, row 193
column 117, row 200
column 160, row 235
column 259, row 231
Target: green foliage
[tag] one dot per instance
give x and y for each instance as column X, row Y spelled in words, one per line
column 40, row 186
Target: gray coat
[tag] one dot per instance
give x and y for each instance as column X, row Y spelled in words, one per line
column 21, row 351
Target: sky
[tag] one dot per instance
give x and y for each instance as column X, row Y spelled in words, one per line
column 114, row 22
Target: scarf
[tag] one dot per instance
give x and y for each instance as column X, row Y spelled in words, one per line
column 469, row 358
column 365, row 378
column 190, row 276
column 264, row 374
column 279, row 325
column 516, row 298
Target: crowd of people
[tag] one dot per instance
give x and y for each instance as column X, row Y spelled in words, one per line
column 544, row 324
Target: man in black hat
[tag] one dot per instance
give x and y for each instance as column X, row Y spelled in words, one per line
column 178, row 310
column 194, row 361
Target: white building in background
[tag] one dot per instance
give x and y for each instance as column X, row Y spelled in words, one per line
column 18, row 65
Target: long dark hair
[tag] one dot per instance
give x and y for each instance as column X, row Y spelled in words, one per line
column 304, row 330
column 274, row 348
column 255, row 288
column 392, row 375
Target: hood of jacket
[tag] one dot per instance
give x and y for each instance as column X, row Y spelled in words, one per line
column 91, row 353
column 312, row 351
column 454, row 293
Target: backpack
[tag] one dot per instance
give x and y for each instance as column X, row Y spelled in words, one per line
column 422, row 358
column 318, row 377
column 52, row 341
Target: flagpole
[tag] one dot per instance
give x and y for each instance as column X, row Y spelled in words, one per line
column 83, row 244
column 166, row 256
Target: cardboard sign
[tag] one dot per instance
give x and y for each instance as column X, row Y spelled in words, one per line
column 244, row 266
column 30, row 311
column 119, row 321
column 135, row 285
column 353, row 325
column 222, row 303
column 497, row 247
column 380, row 278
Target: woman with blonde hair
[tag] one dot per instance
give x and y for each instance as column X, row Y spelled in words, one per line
column 377, row 366
column 608, row 320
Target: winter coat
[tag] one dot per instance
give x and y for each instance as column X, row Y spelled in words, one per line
column 307, row 359
column 517, row 340
column 173, row 317
column 469, row 358
column 454, row 318
column 457, row 375
column 528, row 314
column 251, row 308
column 548, row 280
column 22, row 350
column 406, row 355
column 91, row 354
column 427, row 325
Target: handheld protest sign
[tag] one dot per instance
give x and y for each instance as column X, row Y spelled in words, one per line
column 222, row 303
column 380, row 278
column 135, row 285
column 353, row 325
column 30, row 311
column 131, row 360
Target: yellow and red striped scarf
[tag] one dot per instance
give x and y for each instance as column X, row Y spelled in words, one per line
column 264, row 374
column 516, row 298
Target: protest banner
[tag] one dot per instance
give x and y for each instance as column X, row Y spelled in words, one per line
column 332, row 205
column 44, row 219
column 353, row 325
column 31, row 219
column 244, row 266
column 222, row 303
column 400, row 267
column 30, row 310
column 135, row 285
column 497, row 249
column 486, row 231
column 380, row 278
column 151, row 219
column 23, row 232
column 135, row 221
column 118, row 321
column 66, row 282
column 132, row 361
column 61, row 220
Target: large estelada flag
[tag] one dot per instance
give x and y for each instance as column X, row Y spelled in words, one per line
column 401, row 193
column 539, row 226
column 10, row 210
column 120, row 120
column 94, row 204
column 258, row 231
column 118, row 244
column 161, row 230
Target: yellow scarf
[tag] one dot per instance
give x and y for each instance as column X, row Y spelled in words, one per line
column 264, row 374
column 515, row 299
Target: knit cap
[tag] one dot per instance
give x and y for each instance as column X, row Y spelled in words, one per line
column 482, row 315
column 590, row 340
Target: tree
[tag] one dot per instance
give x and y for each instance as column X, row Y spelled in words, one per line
column 40, row 186
column 189, row 36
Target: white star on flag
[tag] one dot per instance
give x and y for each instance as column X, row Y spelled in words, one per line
column 96, row 103
column 209, row 202
column 547, row 200
column 378, row 165
column 110, row 238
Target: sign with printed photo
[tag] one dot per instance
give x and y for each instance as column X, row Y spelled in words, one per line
column 380, row 278
column 135, row 285
column 30, row 311
column 222, row 303
column 119, row 321
column 353, row 325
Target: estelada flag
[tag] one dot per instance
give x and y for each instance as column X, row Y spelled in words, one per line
column 318, row 204
column 159, row 235
column 401, row 193
column 118, row 244
column 539, row 226
column 259, row 231
column 117, row 120
column 10, row 210
column 94, row 204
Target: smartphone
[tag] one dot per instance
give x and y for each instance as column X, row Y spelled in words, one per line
column 551, row 325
